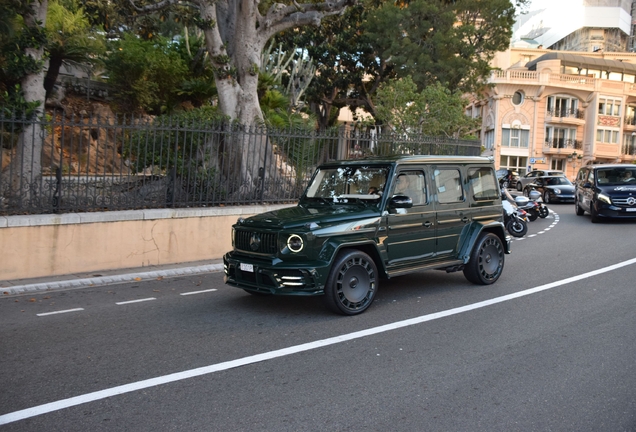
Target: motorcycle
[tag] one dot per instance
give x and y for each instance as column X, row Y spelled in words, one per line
column 514, row 219
column 541, row 209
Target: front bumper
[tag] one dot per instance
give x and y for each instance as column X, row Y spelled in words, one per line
column 611, row 211
column 268, row 277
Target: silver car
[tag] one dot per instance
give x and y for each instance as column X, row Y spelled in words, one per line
column 532, row 175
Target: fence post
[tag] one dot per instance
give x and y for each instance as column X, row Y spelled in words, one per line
column 261, row 171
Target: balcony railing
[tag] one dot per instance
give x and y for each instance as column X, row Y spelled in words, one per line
column 629, row 149
column 561, row 143
column 630, row 121
column 571, row 113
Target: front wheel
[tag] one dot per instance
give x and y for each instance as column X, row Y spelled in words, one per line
column 517, row 227
column 486, row 261
column 544, row 212
column 532, row 215
column 352, row 283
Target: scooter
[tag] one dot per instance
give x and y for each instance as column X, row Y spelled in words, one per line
column 515, row 219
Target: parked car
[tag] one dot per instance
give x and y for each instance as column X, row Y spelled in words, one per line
column 507, row 178
column 555, row 189
column 366, row 219
column 606, row 191
column 529, row 178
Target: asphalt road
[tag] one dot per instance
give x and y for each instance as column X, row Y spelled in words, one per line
column 550, row 347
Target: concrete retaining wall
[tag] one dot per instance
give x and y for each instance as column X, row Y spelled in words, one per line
column 46, row 245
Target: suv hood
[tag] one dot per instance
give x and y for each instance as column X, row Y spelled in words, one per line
column 300, row 215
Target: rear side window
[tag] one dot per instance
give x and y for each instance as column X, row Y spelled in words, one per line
column 483, row 184
column 449, row 185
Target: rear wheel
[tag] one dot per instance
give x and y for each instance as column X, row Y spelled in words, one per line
column 519, row 186
column 352, row 283
column 546, row 197
column 544, row 212
column 486, row 261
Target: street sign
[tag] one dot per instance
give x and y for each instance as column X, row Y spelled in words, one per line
column 537, row 160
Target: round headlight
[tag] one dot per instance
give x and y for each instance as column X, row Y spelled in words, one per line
column 295, row 243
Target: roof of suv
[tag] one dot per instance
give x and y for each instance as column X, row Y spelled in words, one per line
column 408, row 159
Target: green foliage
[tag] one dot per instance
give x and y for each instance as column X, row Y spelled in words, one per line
column 145, row 75
column 176, row 145
column 435, row 111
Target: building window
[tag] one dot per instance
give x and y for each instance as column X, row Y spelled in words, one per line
column 557, row 137
column 607, row 136
column 517, row 138
column 563, row 106
column 489, row 139
column 517, row 98
column 557, row 164
column 610, row 107
column 514, row 163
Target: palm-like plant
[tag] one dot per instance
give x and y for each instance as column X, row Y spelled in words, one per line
column 72, row 42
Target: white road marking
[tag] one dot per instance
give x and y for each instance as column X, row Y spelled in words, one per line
column 218, row 367
column 136, row 301
column 59, row 312
column 198, row 292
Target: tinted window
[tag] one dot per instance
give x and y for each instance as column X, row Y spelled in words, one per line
column 483, row 184
column 449, row 185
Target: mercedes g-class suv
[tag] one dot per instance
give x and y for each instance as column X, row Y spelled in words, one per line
column 362, row 220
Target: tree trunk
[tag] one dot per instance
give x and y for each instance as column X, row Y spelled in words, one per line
column 27, row 166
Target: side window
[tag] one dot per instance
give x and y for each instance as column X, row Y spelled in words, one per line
column 413, row 185
column 591, row 177
column 449, row 185
column 483, row 184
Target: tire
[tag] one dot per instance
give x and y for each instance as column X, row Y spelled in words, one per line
column 506, row 184
column 518, row 186
column 577, row 208
column 594, row 214
column 546, row 197
column 486, row 260
column 352, row 283
column 533, row 215
column 526, row 192
column 544, row 212
column 517, row 228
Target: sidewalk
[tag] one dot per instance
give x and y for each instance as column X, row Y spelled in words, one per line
column 99, row 278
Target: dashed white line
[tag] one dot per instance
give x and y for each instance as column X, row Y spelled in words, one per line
column 136, row 301
column 198, row 292
column 60, row 312
column 218, row 367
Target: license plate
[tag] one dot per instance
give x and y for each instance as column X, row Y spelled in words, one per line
column 633, row 209
column 247, row 267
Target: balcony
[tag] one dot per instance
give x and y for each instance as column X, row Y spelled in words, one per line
column 629, row 123
column 628, row 153
column 561, row 146
column 565, row 116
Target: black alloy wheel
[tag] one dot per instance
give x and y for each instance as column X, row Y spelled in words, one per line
column 487, row 260
column 352, row 283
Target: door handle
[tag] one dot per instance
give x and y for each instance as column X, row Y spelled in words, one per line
column 465, row 219
column 427, row 224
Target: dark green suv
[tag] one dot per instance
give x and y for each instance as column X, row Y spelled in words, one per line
column 362, row 220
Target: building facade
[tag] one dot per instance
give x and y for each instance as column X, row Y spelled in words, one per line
column 559, row 110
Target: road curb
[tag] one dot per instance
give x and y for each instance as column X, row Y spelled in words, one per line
column 110, row 280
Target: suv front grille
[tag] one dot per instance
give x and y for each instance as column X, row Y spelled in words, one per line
column 254, row 241
column 622, row 202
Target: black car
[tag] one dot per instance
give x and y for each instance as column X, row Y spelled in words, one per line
column 507, row 178
column 606, row 191
column 532, row 175
column 556, row 189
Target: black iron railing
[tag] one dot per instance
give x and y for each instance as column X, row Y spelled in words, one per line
column 61, row 165
column 561, row 143
column 571, row 113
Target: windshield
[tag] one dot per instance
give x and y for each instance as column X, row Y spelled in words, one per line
column 556, row 181
column 348, row 184
column 616, row 176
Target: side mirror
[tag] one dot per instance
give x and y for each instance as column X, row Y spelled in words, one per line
column 400, row 202
column 587, row 185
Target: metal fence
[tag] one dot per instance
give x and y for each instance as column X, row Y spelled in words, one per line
column 62, row 165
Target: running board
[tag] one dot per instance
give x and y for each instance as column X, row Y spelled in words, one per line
column 451, row 265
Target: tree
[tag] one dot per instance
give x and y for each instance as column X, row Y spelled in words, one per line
column 451, row 42
column 236, row 33
column 71, row 41
column 434, row 111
